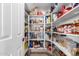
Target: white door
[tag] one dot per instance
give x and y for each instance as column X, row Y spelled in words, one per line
column 17, row 26
column 11, row 28
column 5, row 29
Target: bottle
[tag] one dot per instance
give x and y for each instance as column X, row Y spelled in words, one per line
column 41, row 33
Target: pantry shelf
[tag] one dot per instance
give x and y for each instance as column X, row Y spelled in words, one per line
column 75, row 39
column 34, row 31
column 73, row 12
column 36, row 15
column 49, row 40
column 66, row 34
column 37, row 24
column 36, row 39
column 47, row 23
column 48, row 32
column 64, row 50
column 36, row 48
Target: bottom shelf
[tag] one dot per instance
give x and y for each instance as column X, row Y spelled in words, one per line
column 36, row 44
column 64, row 50
column 37, row 48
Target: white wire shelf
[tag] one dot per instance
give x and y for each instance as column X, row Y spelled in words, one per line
column 73, row 37
column 49, row 40
column 66, row 34
column 37, row 48
column 63, row 49
column 37, row 24
column 36, row 31
column 37, row 15
column 36, row 39
column 72, row 13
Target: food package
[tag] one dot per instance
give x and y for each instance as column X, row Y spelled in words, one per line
column 49, row 47
column 36, row 11
column 46, row 44
column 73, row 51
column 63, row 43
column 75, row 4
column 59, row 14
column 48, row 20
column 62, row 9
column 36, row 46
column 26, row 45
column 55, row 17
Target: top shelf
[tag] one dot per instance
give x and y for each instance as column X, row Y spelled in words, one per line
column 36, row 15
column 72, row 13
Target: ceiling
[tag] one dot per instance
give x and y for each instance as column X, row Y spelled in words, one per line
column 42, row 6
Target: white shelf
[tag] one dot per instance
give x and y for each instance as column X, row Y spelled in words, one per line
column 36, row 39
column 35, row 31
column 72, row 13
column 37, row 24
column 48, row 14
column 48, row 31
column 73, row 37
column 47, row 23
column 37, row 48
column 63, row 49
column 37, row 15
column 66, row 34
column 49, row 40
